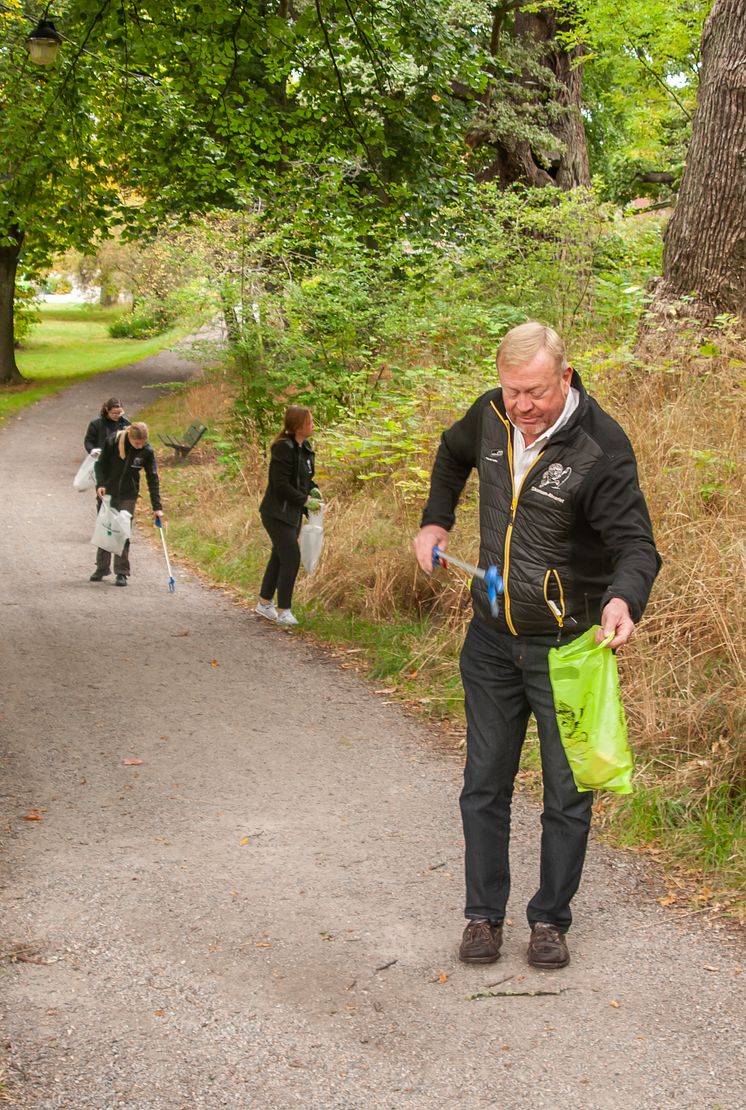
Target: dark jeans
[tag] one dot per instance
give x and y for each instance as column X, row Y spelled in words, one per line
column 506, row 678
column 121, row 562
column 284, row 562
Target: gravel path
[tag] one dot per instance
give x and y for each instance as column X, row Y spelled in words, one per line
column 264, row 912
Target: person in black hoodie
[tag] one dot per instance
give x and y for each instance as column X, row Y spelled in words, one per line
column 563, row 519
column 291, row 480
column 123, row 458
column 110, row 420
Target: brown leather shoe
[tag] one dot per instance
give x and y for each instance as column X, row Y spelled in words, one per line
column 480, row 943
column 547, row 948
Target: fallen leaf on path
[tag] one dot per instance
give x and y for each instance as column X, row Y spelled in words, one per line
column 244, row 841
column 263, row 944
column 132, row 762
column 442, row 978
column 32, row 817
column 614, row 1003
column 159, row 1013
column 214, row 663
column 182, row 632
column 668, row 900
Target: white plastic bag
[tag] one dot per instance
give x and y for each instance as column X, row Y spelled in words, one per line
column 311, row 540
column 113, row 528
column 86, row 477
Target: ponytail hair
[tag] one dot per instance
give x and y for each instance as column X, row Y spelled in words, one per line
column 140, row 432
column 295, row 418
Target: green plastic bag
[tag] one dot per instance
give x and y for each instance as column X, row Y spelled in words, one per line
column 590, row 714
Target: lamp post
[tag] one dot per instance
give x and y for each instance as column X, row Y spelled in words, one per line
column 43, row 43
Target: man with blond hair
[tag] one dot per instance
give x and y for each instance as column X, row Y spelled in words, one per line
column 564, row 520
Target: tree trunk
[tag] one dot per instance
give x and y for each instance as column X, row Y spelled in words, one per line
column 9, row 372
column 571, row 167
column 704, row 255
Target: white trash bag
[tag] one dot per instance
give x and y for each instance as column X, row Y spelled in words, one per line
column 113, row 528
column 311, row 540
column 86, row 477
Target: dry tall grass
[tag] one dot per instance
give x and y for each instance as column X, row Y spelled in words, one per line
column 683, row 673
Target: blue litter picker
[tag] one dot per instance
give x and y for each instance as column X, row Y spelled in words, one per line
column 491, row 577
column 171, row 582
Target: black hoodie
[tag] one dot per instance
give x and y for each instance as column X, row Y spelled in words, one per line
column 100, row 429
column 121, row 476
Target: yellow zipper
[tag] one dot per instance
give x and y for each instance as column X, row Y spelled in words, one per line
column 558, row 612
column 513, row 504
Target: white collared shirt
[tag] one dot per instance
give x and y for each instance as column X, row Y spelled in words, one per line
column 524, row 457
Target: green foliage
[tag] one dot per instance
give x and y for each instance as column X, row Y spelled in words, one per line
column 143, row 322
column 708, row 829
column 305, row 107
column 370, row 339
column 25, row 310
column 640, row 82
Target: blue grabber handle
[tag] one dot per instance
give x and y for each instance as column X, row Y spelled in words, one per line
column 171, row 582
column 491, row 577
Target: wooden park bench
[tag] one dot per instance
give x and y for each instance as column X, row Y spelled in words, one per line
column 190, row 439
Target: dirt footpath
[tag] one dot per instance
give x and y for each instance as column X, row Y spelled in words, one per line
column 245, row 887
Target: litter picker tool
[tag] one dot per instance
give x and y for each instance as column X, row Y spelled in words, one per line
column 491, row 577
column 171, row 582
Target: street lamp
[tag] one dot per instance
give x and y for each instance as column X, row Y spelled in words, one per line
column 43, row 43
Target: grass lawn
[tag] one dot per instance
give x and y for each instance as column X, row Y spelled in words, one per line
column 72, row 342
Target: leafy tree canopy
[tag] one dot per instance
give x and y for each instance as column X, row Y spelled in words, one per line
column 157, row 109
column 641, row 72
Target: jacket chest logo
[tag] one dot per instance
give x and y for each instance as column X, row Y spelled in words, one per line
column 555, row 476
column 494, row 456
column 552, row 480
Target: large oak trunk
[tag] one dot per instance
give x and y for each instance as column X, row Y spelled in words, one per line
column 704, row 255
column 9, row 372
column 514, row 160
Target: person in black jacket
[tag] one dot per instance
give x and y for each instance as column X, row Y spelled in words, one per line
column 291, row 480
column 110, row 420
column 563, row 519
column 123, row 458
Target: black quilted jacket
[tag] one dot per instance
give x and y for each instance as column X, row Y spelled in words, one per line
column 577, row 532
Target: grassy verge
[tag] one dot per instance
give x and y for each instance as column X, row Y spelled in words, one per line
column 72, row 342
column 367, row 603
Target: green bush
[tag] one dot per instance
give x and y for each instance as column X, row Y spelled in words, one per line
column 25, row 310
column 142, row 322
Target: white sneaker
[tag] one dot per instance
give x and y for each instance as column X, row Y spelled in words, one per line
column 286, row 618
column 267, row 611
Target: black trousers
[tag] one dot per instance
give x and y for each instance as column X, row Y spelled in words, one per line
column 284, row 562
column 505, row 679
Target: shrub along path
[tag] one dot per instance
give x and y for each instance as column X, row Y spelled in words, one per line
column 243, row 888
